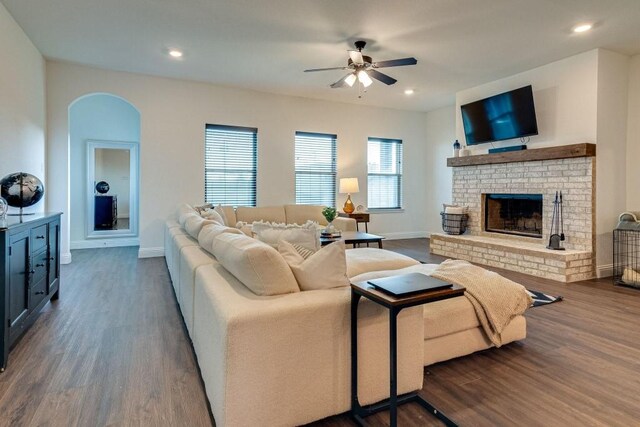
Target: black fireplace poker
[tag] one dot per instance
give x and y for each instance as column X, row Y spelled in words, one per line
column 557, row 224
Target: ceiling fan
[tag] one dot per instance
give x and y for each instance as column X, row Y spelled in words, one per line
column 362, row 68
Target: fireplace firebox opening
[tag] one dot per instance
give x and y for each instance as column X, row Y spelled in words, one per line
column 519, row 214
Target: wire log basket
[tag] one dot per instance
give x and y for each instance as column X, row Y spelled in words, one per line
column 454, row 223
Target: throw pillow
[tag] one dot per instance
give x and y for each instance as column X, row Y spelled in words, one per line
column 210, row 232
column 220, row 212
column 257, row 265
column 325, row 269
column 193, row 225
column 213, row 215
column 304, row 235
column 183, row 209
column 446, row 206
column 185, row 216
column 304, row 252
column 202, row 208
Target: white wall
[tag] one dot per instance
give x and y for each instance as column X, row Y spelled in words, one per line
column 613, row 89
column 96, row 117
column 565, row 96
column 22, row 104
column 633, row 136
column 173, row 116
column 579, row 99
column 441, row 133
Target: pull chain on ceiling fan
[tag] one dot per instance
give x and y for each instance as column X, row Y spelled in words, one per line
column 363, row 69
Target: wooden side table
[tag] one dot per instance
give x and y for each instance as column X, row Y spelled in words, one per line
column 394, row 305
column 360, row 217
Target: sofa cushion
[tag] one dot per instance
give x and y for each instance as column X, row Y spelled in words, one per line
column 266, row 213
column 182, row 219
column 325, row 269
column 194, row 223
column 183, row 209
column 364, row 260
column 259, row 266
column 210, row 232
column 272, row 234
column 299, row 214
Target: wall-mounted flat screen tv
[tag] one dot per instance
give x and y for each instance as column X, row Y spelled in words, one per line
column 508, row 115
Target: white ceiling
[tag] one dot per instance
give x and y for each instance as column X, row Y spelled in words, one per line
column 266, row 44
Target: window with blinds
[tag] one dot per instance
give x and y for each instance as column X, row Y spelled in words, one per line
column 315, row 169
column 230, row 165
column 384, row 163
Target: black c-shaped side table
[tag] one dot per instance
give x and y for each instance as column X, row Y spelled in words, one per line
column 394, row 305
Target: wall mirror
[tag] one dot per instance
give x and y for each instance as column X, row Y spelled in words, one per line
column 112, row 189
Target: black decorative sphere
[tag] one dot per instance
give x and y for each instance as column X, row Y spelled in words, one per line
column 102, row 187
column 21, row 190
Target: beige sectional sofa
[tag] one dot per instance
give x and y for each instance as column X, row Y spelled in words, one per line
column 285, row 360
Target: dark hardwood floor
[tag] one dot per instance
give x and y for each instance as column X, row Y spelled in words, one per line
column 113, row 351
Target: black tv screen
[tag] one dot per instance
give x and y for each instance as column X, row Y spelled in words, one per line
column 508, row 115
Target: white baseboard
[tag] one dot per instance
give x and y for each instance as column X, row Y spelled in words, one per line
column 405, row 235
column 150, row 252
column 605, row 270
column 65, row 258
column 104, row 243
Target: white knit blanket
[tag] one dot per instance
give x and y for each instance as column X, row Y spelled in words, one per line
column 496, row 300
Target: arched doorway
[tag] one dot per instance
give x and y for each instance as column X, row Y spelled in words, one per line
column 104, row 139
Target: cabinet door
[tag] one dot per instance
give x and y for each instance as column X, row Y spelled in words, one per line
column 18, row 278
column 54, row 255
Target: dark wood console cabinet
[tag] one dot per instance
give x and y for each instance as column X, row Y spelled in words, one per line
column 30, row 269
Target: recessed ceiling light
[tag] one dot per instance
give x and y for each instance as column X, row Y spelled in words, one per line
column 175, row 53
column 409, row 92
column 581, row 28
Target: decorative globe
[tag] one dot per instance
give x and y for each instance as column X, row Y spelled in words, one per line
column 21, row 189
column 102, row 187
column 3, row 208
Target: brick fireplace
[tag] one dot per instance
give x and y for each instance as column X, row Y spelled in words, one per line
column 515, row 214
column 510, row 203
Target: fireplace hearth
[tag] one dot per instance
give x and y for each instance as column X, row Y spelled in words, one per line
column 519, row 214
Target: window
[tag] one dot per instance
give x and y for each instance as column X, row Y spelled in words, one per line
column 384, row 173
column 315, row 169
column 230, row 165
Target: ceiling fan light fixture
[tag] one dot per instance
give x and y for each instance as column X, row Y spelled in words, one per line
column 364, row 78
column 350, row 80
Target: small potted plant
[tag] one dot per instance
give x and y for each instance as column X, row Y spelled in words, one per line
column 329, row 214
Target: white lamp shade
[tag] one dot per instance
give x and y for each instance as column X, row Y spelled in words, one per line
column 349, row 185
column 351, row 79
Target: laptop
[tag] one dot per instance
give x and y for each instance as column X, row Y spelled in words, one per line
column 408, row 284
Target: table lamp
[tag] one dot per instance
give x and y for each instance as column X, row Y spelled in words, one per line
column 349, row 185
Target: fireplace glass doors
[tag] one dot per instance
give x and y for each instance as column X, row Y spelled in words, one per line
column 519, row 214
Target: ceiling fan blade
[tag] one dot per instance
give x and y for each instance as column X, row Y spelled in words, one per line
column 356, row 57
column 325, row 69
column 341, row 82
column 381, row 77
column 396, row 62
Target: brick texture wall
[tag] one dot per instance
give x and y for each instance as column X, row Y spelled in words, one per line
column 574, row 177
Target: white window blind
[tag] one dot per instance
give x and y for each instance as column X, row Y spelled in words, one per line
column 230, row 165
column 315, row 169
column 384, row 160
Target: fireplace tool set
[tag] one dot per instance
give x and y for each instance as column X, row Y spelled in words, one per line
column 557, row 225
